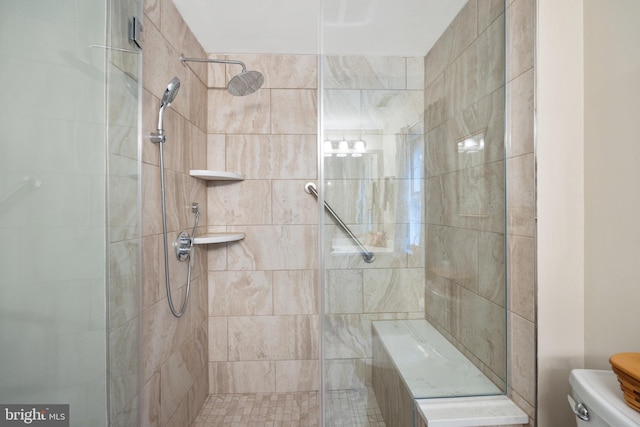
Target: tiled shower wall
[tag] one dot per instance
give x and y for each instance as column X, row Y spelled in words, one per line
column 520, row 208
column 173, row 351
column 464, row 96
column 263, row 301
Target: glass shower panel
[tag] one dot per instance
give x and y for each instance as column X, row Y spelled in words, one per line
column 68, row 210
column 413, row 162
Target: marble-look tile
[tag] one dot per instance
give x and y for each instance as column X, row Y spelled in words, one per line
column 475, row 198
column 150, row 402
column 521, row 36
column 342, row 109
column 242, row 377
column 458, row 36
column 295, row 292
column 294, row 112
column 364, row 72
column 172, row 25
column 454, row 255
column 245, row 202
column 240, row 293
column 522, row 357
column 344, row 374
column 491, row 267
column 239, row 114
column 272, row 157
column 521, row 195
column 150, row 271
column 152, row 11
column 176, row 377
column 288, row 247
column 483, row 331
column 198, row 394
column 343, row 292
column 218, row 347
column 273, row 337
column 216, row 152
column 151, row 202
column 478, row 71
column 392, row 112
column 291, row 204
column 485, row 119
column 150, row 104
column 297, row 375
column 216, row 73
column 415, row 73
column 522, row 276
column 393, row 290
column 348, row 336
column 281, row 71
column 436, row 103
column 160, row 337
column 489, row 11
column 198, row 100
column 191, row 48
column 522, row 115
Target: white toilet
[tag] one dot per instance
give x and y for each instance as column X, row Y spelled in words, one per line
column 597, row 400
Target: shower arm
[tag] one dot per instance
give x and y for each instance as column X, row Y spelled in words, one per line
column 217, row 61
column 367, row 255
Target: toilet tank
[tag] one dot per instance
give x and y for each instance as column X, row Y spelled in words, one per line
column 600, row 393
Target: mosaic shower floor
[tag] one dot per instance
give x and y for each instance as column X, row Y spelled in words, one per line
column 345, row 408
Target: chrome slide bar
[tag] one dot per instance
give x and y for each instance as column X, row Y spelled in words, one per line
column 368, row 256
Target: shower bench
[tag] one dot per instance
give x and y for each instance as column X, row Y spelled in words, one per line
column 416, row 373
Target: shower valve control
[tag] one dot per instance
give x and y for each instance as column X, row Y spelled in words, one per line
column 183, row 246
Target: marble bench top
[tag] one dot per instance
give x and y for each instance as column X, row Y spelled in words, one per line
column 430, row 365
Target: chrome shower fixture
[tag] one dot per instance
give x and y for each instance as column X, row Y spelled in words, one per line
column 167, row 98
column 244, row 83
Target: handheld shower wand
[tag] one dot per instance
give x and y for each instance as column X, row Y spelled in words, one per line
column 169, row 95
column 184, row 243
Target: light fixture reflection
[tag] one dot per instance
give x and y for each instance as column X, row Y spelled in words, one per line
column 472, row 144
column 343, row 148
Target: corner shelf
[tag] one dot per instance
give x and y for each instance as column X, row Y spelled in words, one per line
column 217, row 238
column 208, row 175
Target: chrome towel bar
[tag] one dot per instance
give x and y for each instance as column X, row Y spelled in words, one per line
column 367, row 255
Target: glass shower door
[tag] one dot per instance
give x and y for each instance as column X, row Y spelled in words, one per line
column 68, row 209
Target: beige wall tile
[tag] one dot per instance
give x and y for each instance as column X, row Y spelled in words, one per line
column 522, row 115
column 288, row 247
column 242, row 377
column 460, row 34
column 295, row 292
column 522, row 276
column 343, row 291
column 216, row 152
column 491, row 271
column 245, row 202
column 273, row 337
column 281, row 71
column 521, row 36
column 272, row 157
column 239, row 114
column 522, row 357
column 293, row 111
column 520, row 195
column 240, row 293
column 345, row 374
column 415, row 73
column 150, row 402
column 297, row 375
column 397, row 290
column 454, row 255
column 364, row 72
column 218, row 349
column 488, row 11
column 291, row 203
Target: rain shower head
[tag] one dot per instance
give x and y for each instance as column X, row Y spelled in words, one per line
column 241, row 84
column 167, row 98
column 245, row 83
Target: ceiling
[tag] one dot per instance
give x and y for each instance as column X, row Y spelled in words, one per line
column 364, row 27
